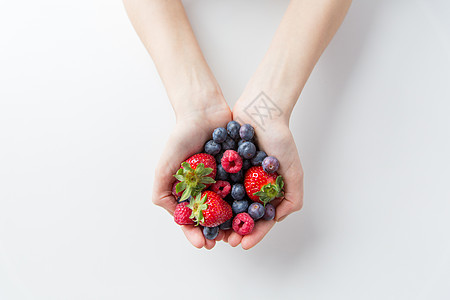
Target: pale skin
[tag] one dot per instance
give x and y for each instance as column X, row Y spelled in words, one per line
column 305, row 30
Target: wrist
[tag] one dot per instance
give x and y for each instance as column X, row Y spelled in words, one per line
column 194, row 90
column 263, row 106
column 281, row 88
column 200, row 105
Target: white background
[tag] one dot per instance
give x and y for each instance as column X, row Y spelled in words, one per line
column 83, row 118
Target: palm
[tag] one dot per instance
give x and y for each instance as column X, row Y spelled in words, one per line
column 186, row 139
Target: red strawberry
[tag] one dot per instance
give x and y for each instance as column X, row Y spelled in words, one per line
column 209, row 210
column 182, row 214
column 262, row 186
column 196, row 174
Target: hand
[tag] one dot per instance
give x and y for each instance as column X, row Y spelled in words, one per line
column 276, row 140
column 192, row 129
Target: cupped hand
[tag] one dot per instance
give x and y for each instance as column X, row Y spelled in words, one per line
column 192, row 129
column 276, row 139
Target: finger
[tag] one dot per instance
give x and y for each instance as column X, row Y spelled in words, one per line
column 162, row 185
column 162, row 190
column 293, row 197
column 234, row 239
column 287, row 207
column 209, row 244
column 168, row 165
column 276, row 202
column 226, row 236
column 194, row 235
column 167, row 202
column 261, row 228
column 220, row 236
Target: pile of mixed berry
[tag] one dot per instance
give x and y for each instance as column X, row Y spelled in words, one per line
column 229, row 186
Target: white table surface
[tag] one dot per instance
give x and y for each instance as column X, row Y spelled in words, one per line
column 83, row 117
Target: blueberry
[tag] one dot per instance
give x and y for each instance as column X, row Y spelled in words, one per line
column 237, row 177
column 211, row 232
column 240, row 142
column 221, row 173
column 256, row 210
column 227, row 225
column 246, row 132
column 233, row 129
column 258, row 158
column 247, row 150
column 239, row 206
column 270, row 164
column 238, row 191
column 219, row 135
column 218, row 157
column 270, row 212
column 229, row 144
column 212, row 147
column 246, row 164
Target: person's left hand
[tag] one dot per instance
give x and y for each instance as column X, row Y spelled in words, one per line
column 276, row 140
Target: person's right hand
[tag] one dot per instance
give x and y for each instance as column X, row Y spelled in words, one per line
column 194, row 126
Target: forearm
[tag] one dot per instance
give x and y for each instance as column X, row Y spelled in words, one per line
column 305, row 30
column 166, row 33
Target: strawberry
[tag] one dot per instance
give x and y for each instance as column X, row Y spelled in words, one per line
column 196, row 173
column 262, row 186
column 209, row 210
column 182, row 213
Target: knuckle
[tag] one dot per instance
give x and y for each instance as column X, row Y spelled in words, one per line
column 157, row 201
column 298, row 205
column 301, row 172
column 295, row 206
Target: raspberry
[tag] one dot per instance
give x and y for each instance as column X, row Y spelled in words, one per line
column 231, row 161
column 174, row 192
column 221, row 188
column 182, row 213
column 243, row 224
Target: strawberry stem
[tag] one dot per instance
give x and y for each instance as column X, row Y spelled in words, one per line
column 271, row 191
column 192, row 182
column 197, row 206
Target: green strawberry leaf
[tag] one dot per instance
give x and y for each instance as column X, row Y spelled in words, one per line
column 207, row 180
column 200, row 168
column 179, row 177
column 198, row 205
column 207, row 171
column 187, row 167
column 192, row 182
column 271, row 191
column 180, row 187
column 280, row 182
